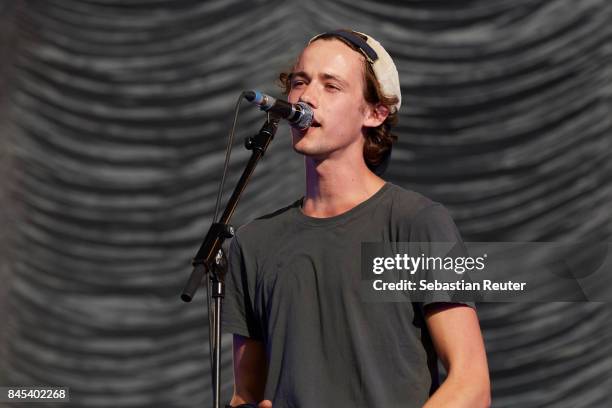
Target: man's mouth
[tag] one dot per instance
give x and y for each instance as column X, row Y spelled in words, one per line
column 314, row 124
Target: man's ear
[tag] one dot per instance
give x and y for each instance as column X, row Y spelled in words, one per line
column 376, row 115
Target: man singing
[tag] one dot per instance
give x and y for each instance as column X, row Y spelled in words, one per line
column 303, row 335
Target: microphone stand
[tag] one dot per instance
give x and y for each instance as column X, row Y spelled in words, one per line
column 210, row 258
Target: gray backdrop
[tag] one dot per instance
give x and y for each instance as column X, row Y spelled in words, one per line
column 113, row 120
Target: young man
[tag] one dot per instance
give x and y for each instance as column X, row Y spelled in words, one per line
column 303, row 335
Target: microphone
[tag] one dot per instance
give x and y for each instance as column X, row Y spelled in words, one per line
column 299, row 115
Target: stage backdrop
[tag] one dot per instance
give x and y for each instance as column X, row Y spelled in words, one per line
column 113, row 119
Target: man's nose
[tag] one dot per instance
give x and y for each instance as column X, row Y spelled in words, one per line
column 309, row 96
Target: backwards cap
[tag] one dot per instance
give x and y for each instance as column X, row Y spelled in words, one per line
column 378, row 58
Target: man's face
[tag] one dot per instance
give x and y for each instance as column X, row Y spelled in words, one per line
column 329, row 77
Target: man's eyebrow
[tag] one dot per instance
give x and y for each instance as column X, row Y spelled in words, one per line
column 326, row 76
column 334, row 78
column 301, row 74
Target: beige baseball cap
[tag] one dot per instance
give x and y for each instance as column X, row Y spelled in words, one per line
column 380, row 60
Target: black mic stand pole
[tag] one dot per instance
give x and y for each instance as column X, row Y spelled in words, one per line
column 209, row 258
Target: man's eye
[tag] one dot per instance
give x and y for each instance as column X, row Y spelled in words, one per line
column 297, row 83
column 332, row 87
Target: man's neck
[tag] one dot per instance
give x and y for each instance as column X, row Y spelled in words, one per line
column 335, row 188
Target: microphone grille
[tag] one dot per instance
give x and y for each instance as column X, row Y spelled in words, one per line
column 306, row 116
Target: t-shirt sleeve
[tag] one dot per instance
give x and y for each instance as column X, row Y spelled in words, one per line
column 238, row 316
column 437, row 236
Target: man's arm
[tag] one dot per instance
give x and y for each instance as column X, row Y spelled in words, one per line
column 250, row 369
column 456, row 336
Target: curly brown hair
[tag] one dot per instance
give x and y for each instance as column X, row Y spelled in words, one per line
column 378, row 140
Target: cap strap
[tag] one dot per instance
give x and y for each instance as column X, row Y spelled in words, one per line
column 354, row 39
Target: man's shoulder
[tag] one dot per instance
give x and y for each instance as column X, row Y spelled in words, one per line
column 407, row 203
column 267, row 224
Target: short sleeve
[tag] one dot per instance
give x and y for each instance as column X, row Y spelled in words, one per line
column 238, row 316
column 435, row 231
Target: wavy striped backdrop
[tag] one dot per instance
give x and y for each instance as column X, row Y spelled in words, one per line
column 113, row 118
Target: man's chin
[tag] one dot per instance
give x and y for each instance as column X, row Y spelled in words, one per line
column 300, row 145
column 308, row 144
column 300, row 149
column 312, row 152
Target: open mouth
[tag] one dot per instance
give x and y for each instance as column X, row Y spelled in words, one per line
column 314, row 124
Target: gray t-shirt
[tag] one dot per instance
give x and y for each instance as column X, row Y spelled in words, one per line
column 293, row 283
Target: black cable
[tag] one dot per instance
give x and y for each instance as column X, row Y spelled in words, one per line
column 228, row 153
